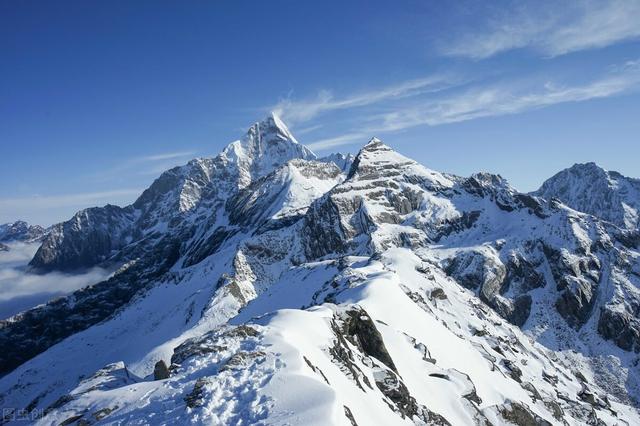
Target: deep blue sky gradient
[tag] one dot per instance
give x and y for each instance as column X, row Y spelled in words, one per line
column 91, row 93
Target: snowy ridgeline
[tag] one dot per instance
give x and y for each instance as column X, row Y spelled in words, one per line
column 267, row 286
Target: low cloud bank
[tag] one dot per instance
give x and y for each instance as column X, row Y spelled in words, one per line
column 20, row 290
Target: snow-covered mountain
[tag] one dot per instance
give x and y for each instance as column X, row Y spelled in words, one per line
column 21, row 231
column 267, row 286
column 591, row 189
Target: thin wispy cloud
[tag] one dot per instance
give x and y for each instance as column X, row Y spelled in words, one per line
column 347, row 139
column 164, row 156
column 146, row 165
column 493, row 100
column 48, row 209
column 294, row 112
column 310, row 129
column 504, row 99
column 128, row 173
column 7, row 205
column 552, row 29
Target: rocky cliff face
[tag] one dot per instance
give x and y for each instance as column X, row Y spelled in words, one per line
column 373, row 288
column 591, row 189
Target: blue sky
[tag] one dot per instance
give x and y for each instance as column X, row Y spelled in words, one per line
column 97, row 98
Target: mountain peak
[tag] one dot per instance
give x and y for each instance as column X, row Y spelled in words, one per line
column 267, row 145
column 589, row 167
column 272, row 124
column 589, row 188
column 274, row 121
column 374, row 144
column 374, row 156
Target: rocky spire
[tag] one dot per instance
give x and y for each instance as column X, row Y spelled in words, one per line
column 267, row 145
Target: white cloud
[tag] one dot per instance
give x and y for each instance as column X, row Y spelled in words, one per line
column 165, row 156
column 19, row 254
column 504, row 99
column 337, row 141
column 20, row 290
column 499, row 99
column 553, row 29
column 300, row 111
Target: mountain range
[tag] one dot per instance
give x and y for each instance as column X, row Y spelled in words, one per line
column 21, row 231
column 267, row 285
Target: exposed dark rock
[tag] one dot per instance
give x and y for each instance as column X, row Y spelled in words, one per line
column 406, row 405
column 439, row 376
column 533, row 392
column 580, row 376
column 207, row 246
column 242, row 331
column 349, row 415
column 550, row 378
column 555, row 409
column 577, row 282
column 196, row 346
column 521, row 310
column 316, row 370
column 451, row 226
column 324, row 229
column 343, row 356
column 629, row 238
column 161, row 371
column 438, row 293
column 524, row 271
column 360, row 329
column 393, row 388
column 241, row 359
column 196, row 397
column 471, row 269
column 101, row 414
column 519, row 414
column 72, row 419
column 485, row 273
column 620, row 327
column 60, row 402
column 587, row 396
column 514, row 371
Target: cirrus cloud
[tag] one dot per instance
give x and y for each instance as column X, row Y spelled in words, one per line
column 552, row 29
